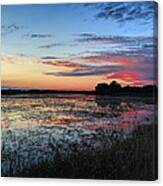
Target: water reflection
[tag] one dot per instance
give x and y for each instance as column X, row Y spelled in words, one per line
column 105, row 101
column 32, row 129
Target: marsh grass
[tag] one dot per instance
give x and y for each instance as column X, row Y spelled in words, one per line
column 132, row 159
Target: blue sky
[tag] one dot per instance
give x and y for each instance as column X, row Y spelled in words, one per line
column 74, row 32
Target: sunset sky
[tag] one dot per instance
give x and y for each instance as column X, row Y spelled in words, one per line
column 76, row 46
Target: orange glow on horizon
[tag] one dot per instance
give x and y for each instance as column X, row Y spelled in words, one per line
column 28, row 73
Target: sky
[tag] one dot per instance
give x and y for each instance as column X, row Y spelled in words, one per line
column 77, row 46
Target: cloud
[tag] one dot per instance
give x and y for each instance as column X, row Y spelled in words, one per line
column 23, row 55
column 13, row 26
column 104, row 39
column 36, row 35
column 123, row 46
column 137, row 64
column 126, row 76
column 129, row 78
column 19, row 58
column 126, row 54
column 64, row 63
column 7, row 59
column 7, row 29
column 51, row 45
column 49, row 57
column 125, row 11
column 108, row 60
column 85, row 35
column 88, row 71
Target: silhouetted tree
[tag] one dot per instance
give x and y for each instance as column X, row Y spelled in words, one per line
column 115, row 89
column 102, row 88
column 105, row 89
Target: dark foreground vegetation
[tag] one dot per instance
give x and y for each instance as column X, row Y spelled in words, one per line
column 114, row 89
column 132, row 159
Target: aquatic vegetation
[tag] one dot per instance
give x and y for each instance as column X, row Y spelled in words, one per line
column 38, row 130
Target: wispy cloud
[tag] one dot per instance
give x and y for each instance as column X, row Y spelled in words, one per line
column 37, row 35
column 85, row 35
column 130, row 78
column 63, row 63
column 19, row 58
column 126, row 76
column 123, row 45
column 109, row 60
column 89, row 72
column 104, row 39
column 125, row 11
column 51, row 45
column 93, row 38
column 7, row 29
column 132, row 54
column 7, row 59
column 49, row 57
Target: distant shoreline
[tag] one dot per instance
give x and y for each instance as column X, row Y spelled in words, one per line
column 33, row 93
column 114, row 89
column 39, row 92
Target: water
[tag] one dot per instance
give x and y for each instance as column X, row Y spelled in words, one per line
column 35, row 128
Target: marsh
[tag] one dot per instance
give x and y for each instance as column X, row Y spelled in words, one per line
column 49, row 130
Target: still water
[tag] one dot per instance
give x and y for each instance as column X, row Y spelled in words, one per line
column 35, row 128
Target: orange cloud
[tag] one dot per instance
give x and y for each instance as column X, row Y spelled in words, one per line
column 62, row 64
column 113, row 60
column 7, row 59
column 126, row 77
